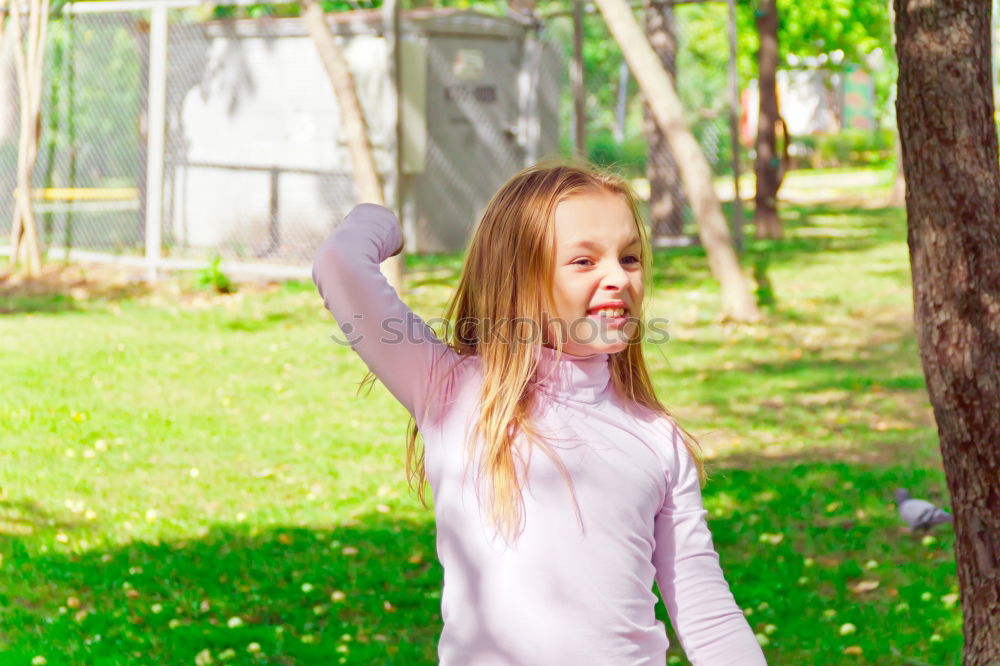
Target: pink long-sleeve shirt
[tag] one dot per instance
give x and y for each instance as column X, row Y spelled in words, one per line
column 562, row 594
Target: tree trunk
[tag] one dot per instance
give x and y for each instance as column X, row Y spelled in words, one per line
column 657, row 87
column 944, row 109
column 366, row 178
column 666, row 192
column 28, row 62
column 767, row 163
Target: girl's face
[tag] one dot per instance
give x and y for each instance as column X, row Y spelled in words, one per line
column 597, row 276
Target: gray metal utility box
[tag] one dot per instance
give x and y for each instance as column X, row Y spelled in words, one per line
column 257, row 164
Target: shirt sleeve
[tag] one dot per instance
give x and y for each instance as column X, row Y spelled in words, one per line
column 395, row 344
column 711, row 627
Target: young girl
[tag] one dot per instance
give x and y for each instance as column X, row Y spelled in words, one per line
column 548, row 560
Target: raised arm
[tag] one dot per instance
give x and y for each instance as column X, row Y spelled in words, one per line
column 394, row 342
column 711, row 627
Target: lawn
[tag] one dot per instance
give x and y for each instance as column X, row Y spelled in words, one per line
column 189, row 478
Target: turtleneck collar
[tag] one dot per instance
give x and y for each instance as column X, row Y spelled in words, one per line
column 578, row 378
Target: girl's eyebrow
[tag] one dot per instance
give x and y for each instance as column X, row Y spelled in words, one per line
column 591, row 245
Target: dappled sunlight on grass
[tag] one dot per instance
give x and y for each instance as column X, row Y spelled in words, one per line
column 191, row 476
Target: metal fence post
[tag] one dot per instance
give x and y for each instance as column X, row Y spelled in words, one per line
column 155, row 138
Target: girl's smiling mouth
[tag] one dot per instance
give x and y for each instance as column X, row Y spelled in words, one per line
column 612, row 313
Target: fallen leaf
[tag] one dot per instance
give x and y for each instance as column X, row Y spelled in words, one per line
column 864, row 586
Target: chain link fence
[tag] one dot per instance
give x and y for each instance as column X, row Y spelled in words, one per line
column 227, row 158
column 247, row 158
column 87, row 174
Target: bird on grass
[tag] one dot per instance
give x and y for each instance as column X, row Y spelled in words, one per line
column 917, row 513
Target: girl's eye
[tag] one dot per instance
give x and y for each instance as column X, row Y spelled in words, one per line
column 578, row 262
column 634, row 259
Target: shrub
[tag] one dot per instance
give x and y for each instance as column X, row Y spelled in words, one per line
column 212, row 277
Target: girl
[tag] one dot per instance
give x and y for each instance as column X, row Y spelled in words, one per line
column 548, row 560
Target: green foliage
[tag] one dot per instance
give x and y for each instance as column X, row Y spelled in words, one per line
column 856, row 27
column 212, row 277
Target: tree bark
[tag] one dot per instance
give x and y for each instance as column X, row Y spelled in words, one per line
column 366, row 177
column 28, row 62
column 767, row 163
column 666, row 192
column 657, row 87
column 945, row 112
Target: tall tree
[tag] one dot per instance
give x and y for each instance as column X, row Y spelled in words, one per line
column 657, row 87
column 767, row 164
column 366, row 177
column 666, row 192
column 945, row 113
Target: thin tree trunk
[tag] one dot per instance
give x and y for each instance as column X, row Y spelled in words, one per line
column 28, row 62
column 666, row 191
column 945, row 112
column 657, row 87
column 366, row 178
column 767, row 163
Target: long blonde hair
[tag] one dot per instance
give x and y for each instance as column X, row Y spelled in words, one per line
column 506, row 285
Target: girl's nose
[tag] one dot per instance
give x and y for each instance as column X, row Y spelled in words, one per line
column 615, row 277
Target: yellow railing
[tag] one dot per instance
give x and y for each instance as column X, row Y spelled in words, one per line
column 83, row 193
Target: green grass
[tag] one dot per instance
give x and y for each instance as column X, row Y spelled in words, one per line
column 173, row 460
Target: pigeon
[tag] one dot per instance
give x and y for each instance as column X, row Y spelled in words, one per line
column 919, row 514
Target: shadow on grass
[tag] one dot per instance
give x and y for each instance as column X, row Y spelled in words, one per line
column 300, row 594
column 26, row 516
column 796, row 542
column 809, row 230
column 47, row 303
column 811, row 385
